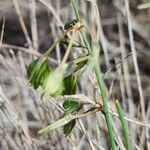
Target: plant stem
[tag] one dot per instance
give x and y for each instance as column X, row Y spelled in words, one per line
column 75, row 10
column 124, row 125
column 105, row 105
column 86, row 43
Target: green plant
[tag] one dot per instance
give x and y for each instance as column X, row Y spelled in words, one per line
column 59, row 81
column 62, row 80
column 124, row 125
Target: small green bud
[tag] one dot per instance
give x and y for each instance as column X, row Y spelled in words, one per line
column 53, row 84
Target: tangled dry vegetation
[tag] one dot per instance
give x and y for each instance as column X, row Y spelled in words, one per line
column 28, row 28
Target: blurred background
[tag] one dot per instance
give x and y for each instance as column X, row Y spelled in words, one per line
column 29, row 27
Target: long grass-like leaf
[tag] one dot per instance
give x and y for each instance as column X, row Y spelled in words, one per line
column 75, row 10
column 65, row 120
column 124, row 125
column 57, row 124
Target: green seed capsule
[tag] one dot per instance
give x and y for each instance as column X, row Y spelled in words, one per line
column 53, row 84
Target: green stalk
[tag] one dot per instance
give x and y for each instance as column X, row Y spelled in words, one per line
column 75, row 10
column 86, row 43
column 105, row 106
column 100, row 83
column 124, row 125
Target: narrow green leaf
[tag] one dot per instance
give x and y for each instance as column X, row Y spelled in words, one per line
column 124, row 125
column 69, row 126
column 75, row 10
column 57, row 124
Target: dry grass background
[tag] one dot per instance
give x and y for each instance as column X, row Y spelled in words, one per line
column 125, row 45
